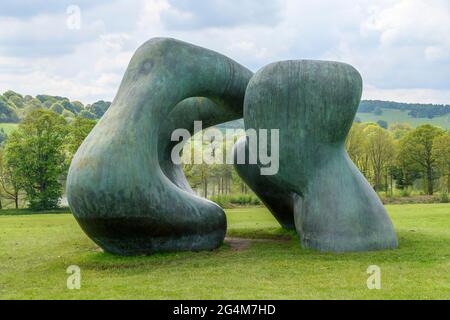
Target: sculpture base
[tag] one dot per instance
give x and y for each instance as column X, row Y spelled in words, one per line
column 133, row 237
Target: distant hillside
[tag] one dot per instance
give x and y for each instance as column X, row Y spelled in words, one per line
column 414, row 110
column 391, row 112
column 14, row 106
column 412, row 113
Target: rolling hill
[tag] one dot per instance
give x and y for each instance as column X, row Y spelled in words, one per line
column 14, row 106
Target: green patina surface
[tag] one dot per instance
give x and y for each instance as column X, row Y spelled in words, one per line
column 317, row 188
column 124, row 190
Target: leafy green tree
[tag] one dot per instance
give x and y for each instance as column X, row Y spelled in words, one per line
column 10, row 184
column 67, row 114
column 77, row 107
column 48, row 104
column 57, row 108
column 67, row 105
column 441, row 152
column 45, row 97
column 98, row 108
column 416, row 152
column 383, row 124
column 35, row 152
column 355, row 145
column 8, row 94
column 399, row 130
column 380, row 149
column 87, row 115
column 17, row 100
column 78, row 131
column 31, row 105
column 7, row 112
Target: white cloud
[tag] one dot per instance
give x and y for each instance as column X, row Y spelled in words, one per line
column 186, row 14
column 413, row 95
column 401, row 47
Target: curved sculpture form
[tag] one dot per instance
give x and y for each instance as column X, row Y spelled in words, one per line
column 278, row 200
column 122, row 186
column 313, row 104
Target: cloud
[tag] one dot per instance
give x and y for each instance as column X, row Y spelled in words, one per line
column 185, row 14
column 30, row 8
column 43, row 35
column 401, row 47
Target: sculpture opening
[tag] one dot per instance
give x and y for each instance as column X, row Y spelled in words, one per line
column 122, row 187
column 130, row 197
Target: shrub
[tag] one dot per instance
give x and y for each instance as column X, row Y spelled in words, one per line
column 231, row 201
column 405, row 192
column 444, row 197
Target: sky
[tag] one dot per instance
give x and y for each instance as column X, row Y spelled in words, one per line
column 80, row 49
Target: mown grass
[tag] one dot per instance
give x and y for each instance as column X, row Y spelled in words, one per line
column 27, row 212
column 35, row 251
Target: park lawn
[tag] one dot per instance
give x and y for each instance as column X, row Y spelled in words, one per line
column 35, row 251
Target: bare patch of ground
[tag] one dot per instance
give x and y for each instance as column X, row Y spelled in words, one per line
column 239, row 244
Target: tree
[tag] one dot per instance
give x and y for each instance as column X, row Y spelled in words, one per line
column 17, row 100
column 441, row 152
column 67, row 114
column 57, row 108
column 98, row 108
column 35, row 153
column 7, row 111
column 383, row 124
column 77, row 107
column 355, row 145
column 9, row 183
column 399, row 130
column 78, row 131
column 87, row 115
column 380, row 149
column 416, row 152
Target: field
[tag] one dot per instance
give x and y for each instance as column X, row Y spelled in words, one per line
column 8, row 127
column 258, row 261
column 397, row 116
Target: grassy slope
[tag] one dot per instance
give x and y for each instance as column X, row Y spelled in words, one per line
column 36, row 250
column 8, row 127
column 393, row 116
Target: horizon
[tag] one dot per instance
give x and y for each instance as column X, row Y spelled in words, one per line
column 110, row 101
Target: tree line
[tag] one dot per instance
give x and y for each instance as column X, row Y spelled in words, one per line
column 14, row 107
column 34, row 160
column 415, row 110
column 402, row 156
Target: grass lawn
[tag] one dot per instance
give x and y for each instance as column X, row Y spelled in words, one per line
column 35, row 251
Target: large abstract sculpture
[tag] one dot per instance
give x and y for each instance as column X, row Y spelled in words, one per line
column 131, row 199
column 122, row 186
column 313, row 104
